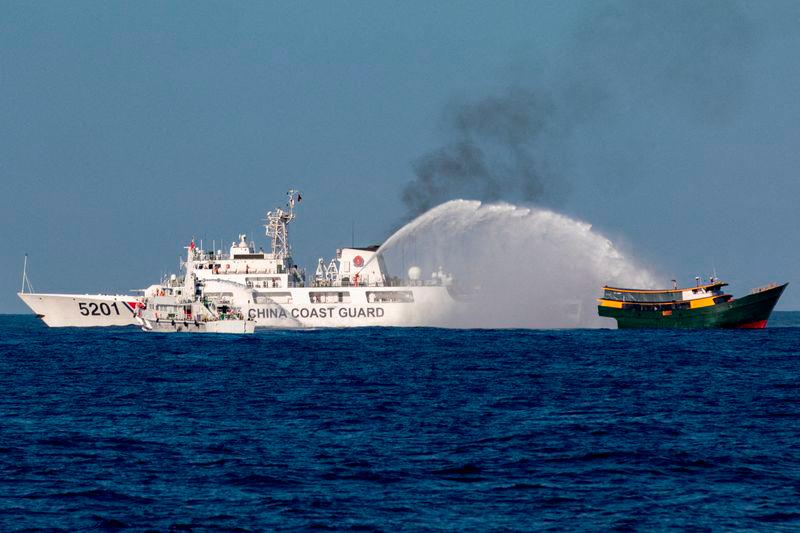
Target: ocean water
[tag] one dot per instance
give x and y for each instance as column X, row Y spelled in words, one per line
column 400, row 429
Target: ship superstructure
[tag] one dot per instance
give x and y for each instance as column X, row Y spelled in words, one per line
column 352, row 289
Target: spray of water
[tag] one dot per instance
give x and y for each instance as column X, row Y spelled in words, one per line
column 522, row 267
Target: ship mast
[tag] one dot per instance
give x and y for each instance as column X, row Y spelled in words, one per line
column 26, row 282
column 277, row 226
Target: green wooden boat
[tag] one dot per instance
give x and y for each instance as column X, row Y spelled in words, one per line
column 702, row 306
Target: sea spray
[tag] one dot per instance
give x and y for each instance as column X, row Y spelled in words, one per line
column 525, row 267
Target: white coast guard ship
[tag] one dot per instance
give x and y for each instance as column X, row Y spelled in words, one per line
column 353, row 289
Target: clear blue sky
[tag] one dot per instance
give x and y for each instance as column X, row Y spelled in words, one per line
column 127, row 128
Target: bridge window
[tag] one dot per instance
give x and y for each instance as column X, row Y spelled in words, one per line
column 329, row 297
column 274, row 297
column 263, row 282
column 390, row 296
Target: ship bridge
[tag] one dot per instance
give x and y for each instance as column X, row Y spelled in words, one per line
column 354, row 266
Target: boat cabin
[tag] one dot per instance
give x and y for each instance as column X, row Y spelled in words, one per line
column 665, row 299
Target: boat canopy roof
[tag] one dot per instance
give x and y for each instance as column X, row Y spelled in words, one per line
column 707, row 287
column 659, row 295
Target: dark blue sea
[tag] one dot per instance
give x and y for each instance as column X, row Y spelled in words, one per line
column 399, row 429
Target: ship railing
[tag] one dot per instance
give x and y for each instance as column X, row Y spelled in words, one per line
column 391, row 282
column 324, row 284
column 204, row 256
column 764, row 288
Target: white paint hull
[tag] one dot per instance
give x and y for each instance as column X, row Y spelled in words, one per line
column 338, row 316
column 234, row 327
column 430, row 308
column 82, row 310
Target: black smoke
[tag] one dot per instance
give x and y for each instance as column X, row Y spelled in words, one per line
column 498, row 150
column 627, row 59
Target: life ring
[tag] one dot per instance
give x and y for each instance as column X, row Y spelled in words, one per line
column 227, row 267
column 358, row 261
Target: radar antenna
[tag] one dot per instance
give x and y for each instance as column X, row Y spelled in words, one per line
column 277, row 222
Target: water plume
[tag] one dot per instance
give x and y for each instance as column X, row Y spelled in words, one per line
column 525, row 267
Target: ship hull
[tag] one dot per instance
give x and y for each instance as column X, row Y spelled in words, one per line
column 82, row 310
column 230, row 327
column 427, row 306
column 750, row 312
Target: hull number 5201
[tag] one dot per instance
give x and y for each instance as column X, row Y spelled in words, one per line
column 102, row 309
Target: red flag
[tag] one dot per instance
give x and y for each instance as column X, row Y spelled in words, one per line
column 191, row 246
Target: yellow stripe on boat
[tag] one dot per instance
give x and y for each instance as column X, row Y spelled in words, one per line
column 610, row 303
column 702, row 302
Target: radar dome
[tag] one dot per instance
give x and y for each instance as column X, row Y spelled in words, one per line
column 414, row 273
